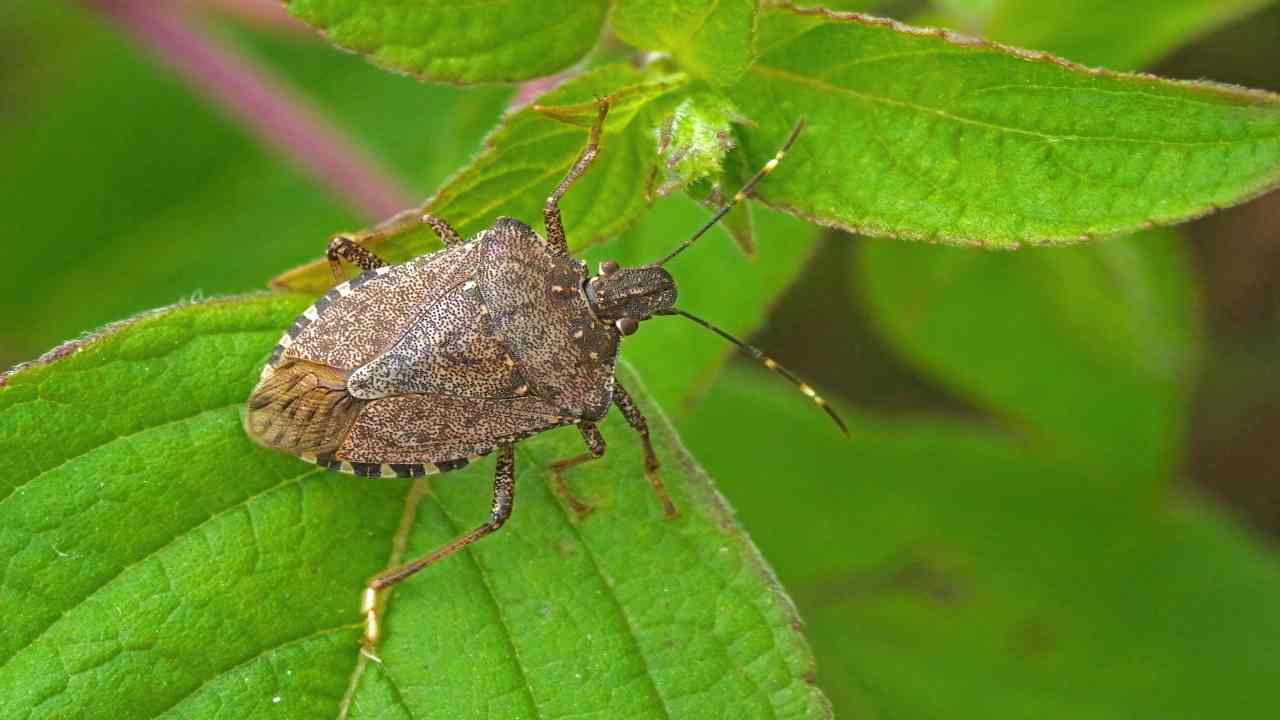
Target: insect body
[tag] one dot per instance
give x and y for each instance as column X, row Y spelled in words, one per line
column 421, row 367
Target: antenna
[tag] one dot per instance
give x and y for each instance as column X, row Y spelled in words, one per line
column 769, row 363
column 741, row 194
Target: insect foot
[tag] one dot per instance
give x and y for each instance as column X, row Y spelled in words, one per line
column 651, row 474
column 369, row 608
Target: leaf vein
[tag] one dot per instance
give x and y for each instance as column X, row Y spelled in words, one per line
column 715, row 5
column 112, row 440
column 1050, row 138
column 507, row 633
column 322, row 632
column 399, row 540
column 398, row 694
column 1105, row 91
column 622, row 611
column 155, row 553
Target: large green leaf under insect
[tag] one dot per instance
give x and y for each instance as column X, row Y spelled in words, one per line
column 161, row 565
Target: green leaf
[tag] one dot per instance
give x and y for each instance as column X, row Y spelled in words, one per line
column 1102, row 33
column 528, row 154
column 946, row 571
column 923, row 135
column 493, row 41
column 712, row 39
column 1088, row 349
column 159, row 564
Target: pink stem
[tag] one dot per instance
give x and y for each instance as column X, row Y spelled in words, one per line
column 281, row 118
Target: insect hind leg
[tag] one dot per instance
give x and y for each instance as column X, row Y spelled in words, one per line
column 551, row 211
column 504, row 490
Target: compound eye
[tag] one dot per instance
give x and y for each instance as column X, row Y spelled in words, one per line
column 627, row 326
column 608, row 267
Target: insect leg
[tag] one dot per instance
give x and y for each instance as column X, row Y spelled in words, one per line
column 443, row 230
column 352, row 246
column 504, row 488
column 551, row 211
column 596, row 445
column 346, row 247
column 636, row 420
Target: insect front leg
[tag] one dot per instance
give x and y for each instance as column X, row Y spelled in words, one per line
column 504, row 491
column 443, row 230
column 347, row 247
column 636, row 420
column 596, row 447
column 551, row 211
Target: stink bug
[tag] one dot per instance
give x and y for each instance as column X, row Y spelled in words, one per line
column 422, row 367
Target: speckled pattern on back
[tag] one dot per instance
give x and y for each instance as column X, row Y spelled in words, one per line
column 450, row 350
column 378, row 307
column 440, row 360
column 538, row 308
column 409, row 428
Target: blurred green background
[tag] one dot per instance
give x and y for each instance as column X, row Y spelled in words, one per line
column 1064, row 487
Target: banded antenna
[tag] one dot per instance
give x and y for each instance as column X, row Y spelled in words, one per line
column 769, row 363
column 740, row 195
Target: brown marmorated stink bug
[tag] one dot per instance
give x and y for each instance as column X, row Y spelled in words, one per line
column 421, row 367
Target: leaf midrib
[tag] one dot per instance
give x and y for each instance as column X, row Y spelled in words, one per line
column 457, row 529
column 1048, row 138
